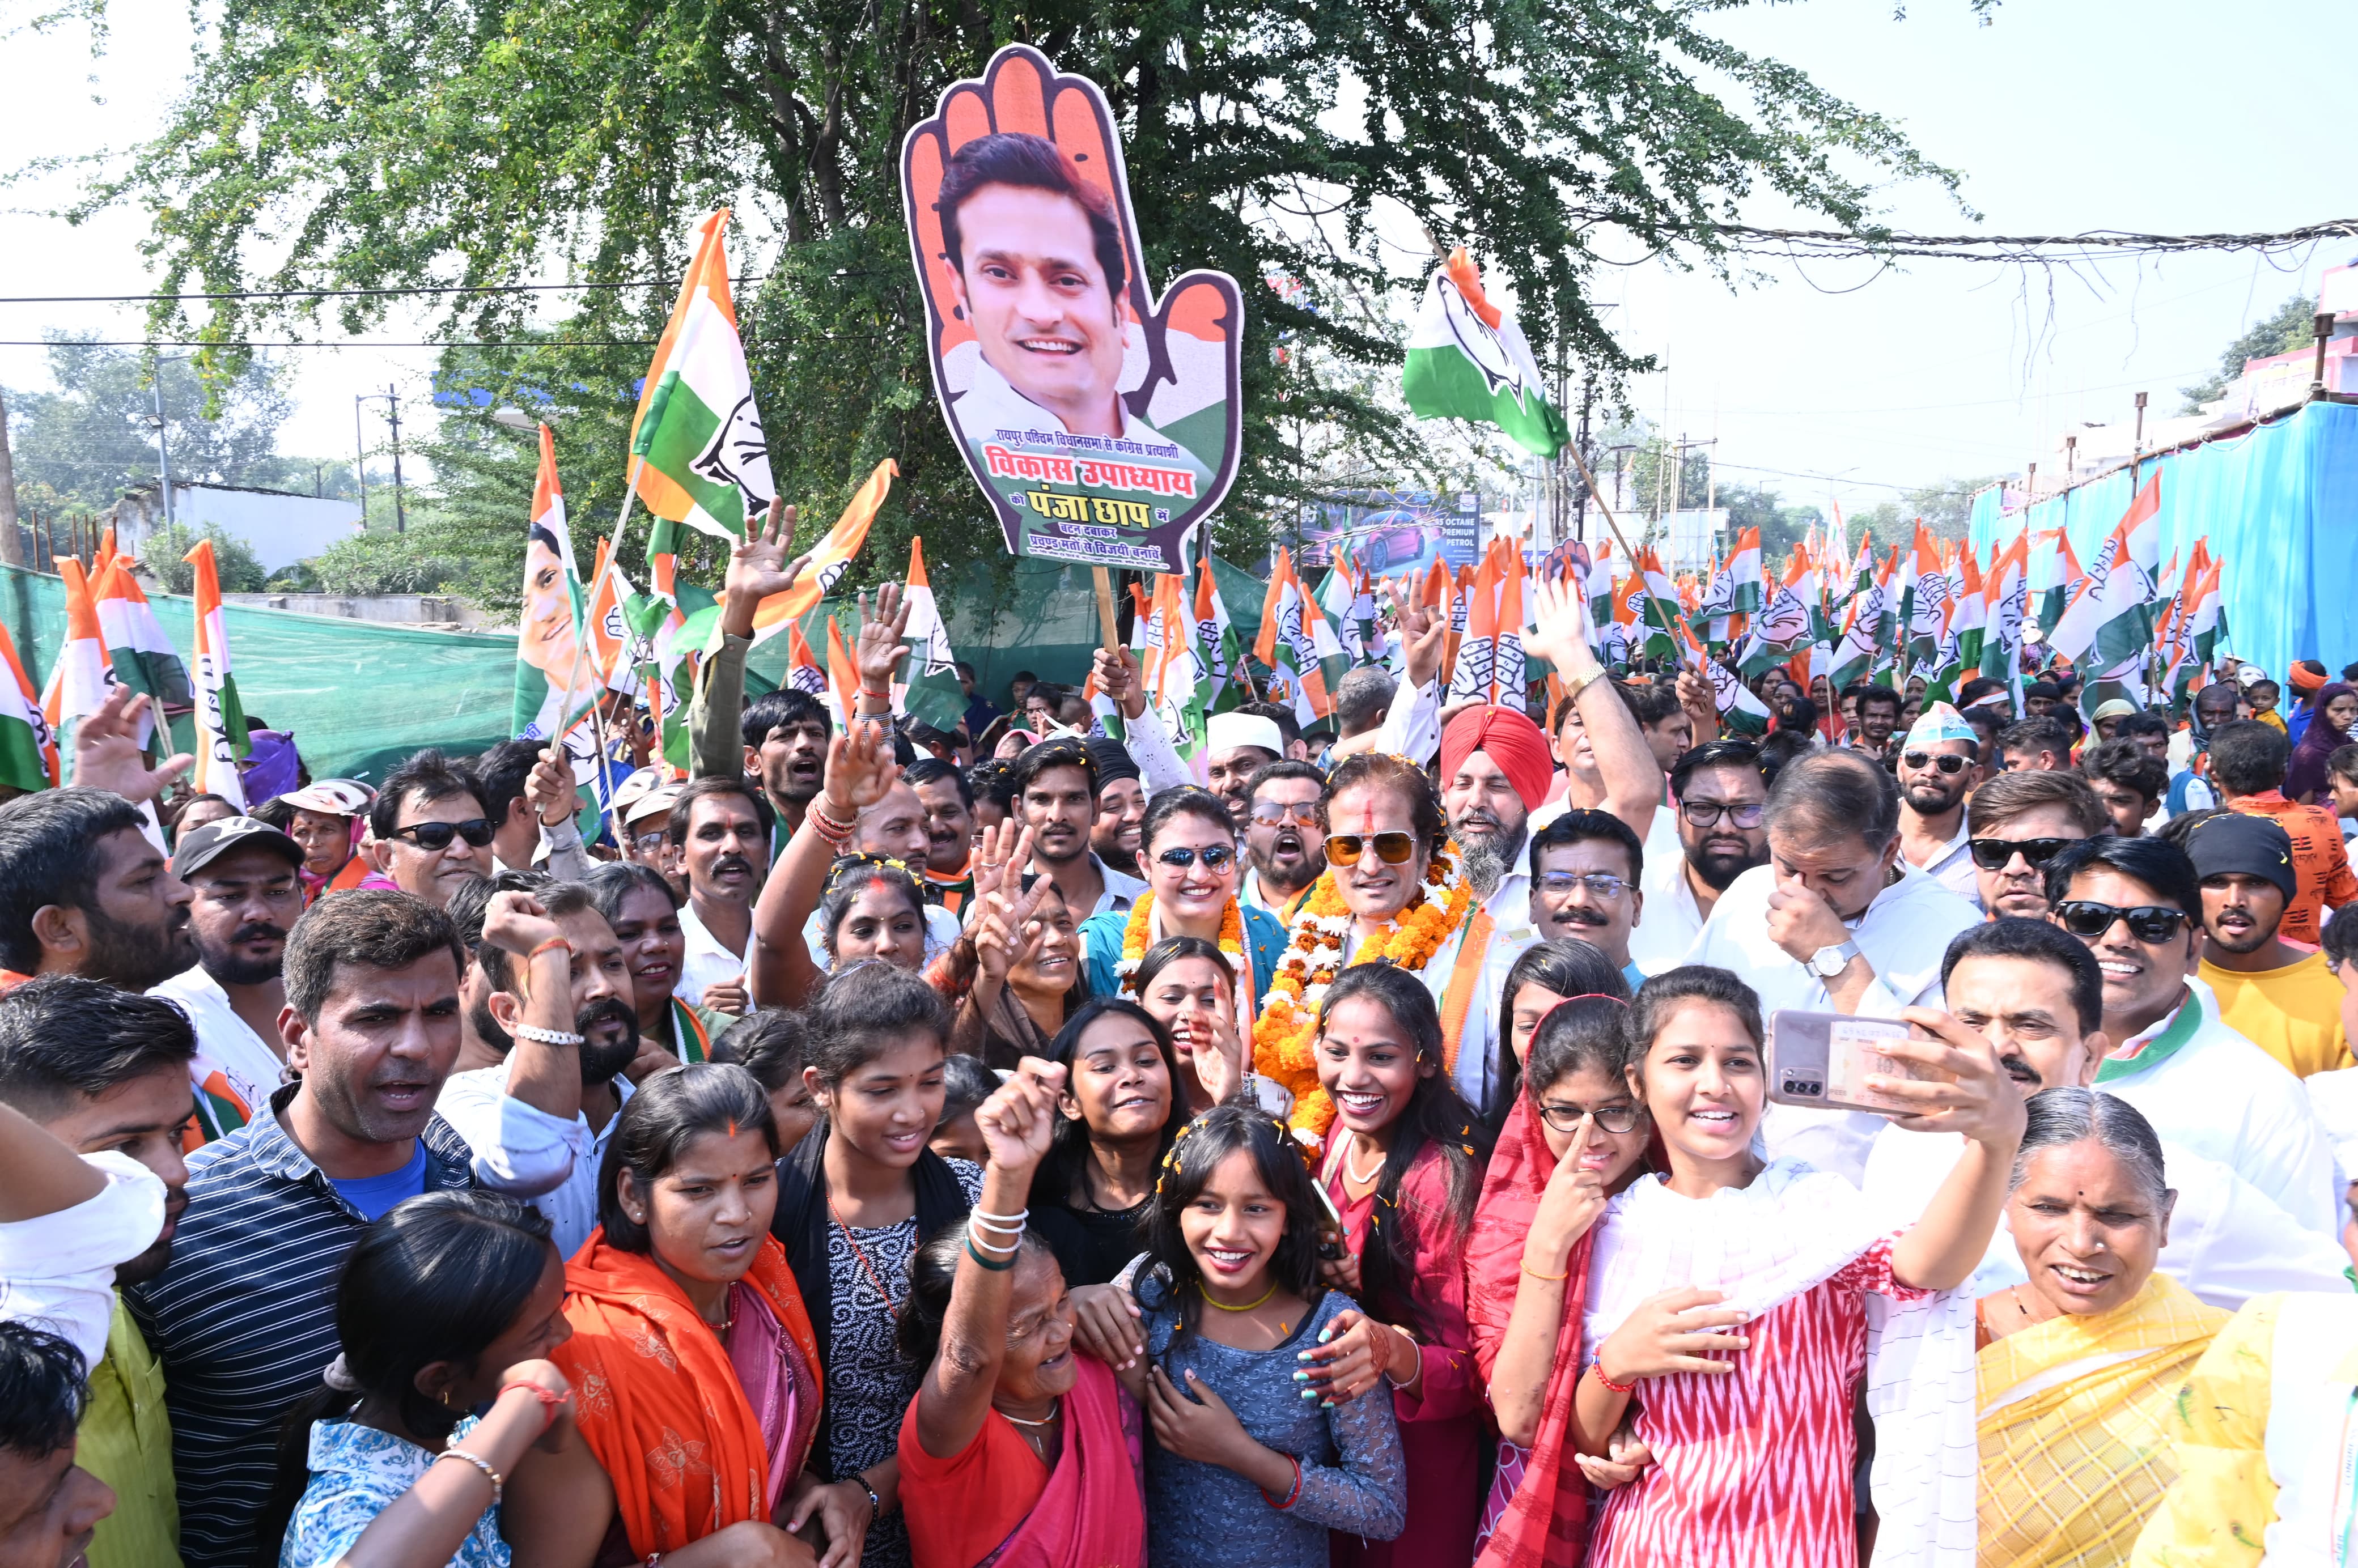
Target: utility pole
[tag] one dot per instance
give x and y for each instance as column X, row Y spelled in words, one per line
column 392, row 398
column 11, row 551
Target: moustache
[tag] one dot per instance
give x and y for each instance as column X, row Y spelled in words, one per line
column 606, row 1010
column 1287, row 842
column 731, row 863
column 1477, row 816
column 1576, row 915
column 2021, row 1071
column 255, row 931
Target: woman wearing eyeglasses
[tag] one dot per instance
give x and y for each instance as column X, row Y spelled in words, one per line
column 1187, row 850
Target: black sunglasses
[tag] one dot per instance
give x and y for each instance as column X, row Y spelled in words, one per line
column 2088, row 920
column 435, row 837
column 1995, row 854
column 1391, row 849
column 1947, row 761
column 1216, row 857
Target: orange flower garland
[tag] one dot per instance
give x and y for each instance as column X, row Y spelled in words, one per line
column 1285, row 1038
column 1138, row 934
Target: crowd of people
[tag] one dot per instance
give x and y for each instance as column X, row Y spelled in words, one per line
column 1026, row 1145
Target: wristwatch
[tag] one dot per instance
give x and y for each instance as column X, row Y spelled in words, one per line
column 1827, row 962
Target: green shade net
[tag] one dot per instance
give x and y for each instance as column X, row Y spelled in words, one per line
column 361, row 695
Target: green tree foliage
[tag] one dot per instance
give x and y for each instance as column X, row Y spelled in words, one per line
column 373, row 144
column 2292, row 325
column 95, row 436
column 233, row 559
column 1782, row 527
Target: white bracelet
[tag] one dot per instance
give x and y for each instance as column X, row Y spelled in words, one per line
column 548, row 1036
column 1013, row 1246
column 1005, row 1224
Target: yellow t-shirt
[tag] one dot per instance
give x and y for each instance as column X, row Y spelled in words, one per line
column 2293, row 1013
column 2273, row 719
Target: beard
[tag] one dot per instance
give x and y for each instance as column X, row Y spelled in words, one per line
column 1719, row 865
column 1931, row 799
column 601, row 1063
column 1487, row 848
column 479, row 1018
column 136, row 957
column 229, row 967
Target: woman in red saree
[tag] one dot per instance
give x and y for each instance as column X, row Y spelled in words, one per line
column 1018, row 1452
column 696, row 1371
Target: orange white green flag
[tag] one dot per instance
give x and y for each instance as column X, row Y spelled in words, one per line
column 829, row 558
column 842, row 675
column 143, row 656
column 29, row 747
column 803, row 672
column 83, row 675
column 932, row 692
column 698, row 452
column 219, row 716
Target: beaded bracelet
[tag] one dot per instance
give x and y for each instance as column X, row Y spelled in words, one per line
column 1624, row 1389
column 480, row 1462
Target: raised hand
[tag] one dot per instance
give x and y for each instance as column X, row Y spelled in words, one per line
column 106, row 753
column 1974, row 1094
column 551, row 790
column 1019, row 1117
column 516, row 923
column 1004, row 851
column 878, row 651
column 1216, row 1052
column 758, row 568
column 1422, row 633
column 859, row 770
column 1002, row 930
column 1560, row 629
column 1574, row 1200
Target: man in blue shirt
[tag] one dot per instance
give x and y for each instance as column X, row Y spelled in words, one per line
column 244, row 1320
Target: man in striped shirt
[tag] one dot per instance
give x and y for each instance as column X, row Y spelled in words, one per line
column 244, row 1319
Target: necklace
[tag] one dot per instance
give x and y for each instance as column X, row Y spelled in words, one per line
column 1352, row 1175
column 861, row 1253
column 728, row 1318
column 1226, row 1307
column 1048, row 1420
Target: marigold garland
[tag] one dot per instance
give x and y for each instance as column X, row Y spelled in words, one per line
column 1285, row 1037
column 1138, row 934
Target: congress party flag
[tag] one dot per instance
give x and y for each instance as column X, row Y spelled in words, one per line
column 2107, row 629
column 934, row 694
column 1468, row 360
column 842, row 676
column 554, row 681
column 143, row 656
column 220, row 717
column 2005, row 599
column 698, row 453
column 1218, row 649
column 803, row 672
column 1297, row 645
column 1177, row 681
column 83, row 675
column 1741, row 711
column 829, row 558
column 28, row 746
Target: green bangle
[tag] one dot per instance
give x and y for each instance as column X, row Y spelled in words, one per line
column 995, row 1268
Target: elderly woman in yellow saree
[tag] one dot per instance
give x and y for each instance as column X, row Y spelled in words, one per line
column 2078, row 1367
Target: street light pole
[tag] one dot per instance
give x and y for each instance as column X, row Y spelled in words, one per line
column 163, row 443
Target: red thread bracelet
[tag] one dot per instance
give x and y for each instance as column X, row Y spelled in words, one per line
column 548, row 1399
column 545, row 946
column 1624, row 1389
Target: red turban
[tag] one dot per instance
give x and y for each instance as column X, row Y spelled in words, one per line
column 1510, row 739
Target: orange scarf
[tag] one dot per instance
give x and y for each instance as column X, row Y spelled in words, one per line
column 657, row 1399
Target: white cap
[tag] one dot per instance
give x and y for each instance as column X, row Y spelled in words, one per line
column 1227, row 732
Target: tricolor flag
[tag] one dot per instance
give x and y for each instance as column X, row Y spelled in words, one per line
column 221, row 737
column 556, row 679
column 1490, row 661
column 1927, row 604
column 698, row 453
column 1866, row 626
column 1219, row 650
column 143, row 657
column 1177, row 683
column 83, row 675
column 2053, row 572
column 932, row 693
column 1297, row 645
column 617, row 653
column 1788, row 624
column 2005, row 599
column 803, row 672
column 842, row 676
column 1968, row 623
column 1741, row 711
column 28, row 746
column 1468, row 360
column 831, row 557
column 2107, row 629
column 1653, row 602
column 670, row 622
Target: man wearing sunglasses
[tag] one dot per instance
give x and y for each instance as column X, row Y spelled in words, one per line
column 432, row 834
column 1936, row 770
column 1285, row 847
column 2017, row 823
column 2138, row 906
column 1723, row 797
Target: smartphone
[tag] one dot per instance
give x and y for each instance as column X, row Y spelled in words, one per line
column 1824, row 1059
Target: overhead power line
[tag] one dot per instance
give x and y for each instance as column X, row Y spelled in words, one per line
column 2089, row 243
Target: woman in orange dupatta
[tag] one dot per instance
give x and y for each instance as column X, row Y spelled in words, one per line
column 1018, row 1451
column 695, row 1367
column 1573, row 1137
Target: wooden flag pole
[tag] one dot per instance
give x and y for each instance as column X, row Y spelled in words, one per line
column 1107, row 624
column 1613, row 524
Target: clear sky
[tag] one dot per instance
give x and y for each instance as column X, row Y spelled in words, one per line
column 2159, row 116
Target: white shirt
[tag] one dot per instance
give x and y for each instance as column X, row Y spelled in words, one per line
column 226, row 1044
column 2335, row 1097
column 2225, row 1098
column 1121, row 889
column 1411, row 728
column 708, row 961
column 1903, row 934
column 57, row 1271
column 1671, row 920
column 523, row 1152
column 1952, row 865
column 2228, row 1242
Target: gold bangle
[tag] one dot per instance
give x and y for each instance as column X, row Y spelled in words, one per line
column 1551, row 1279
